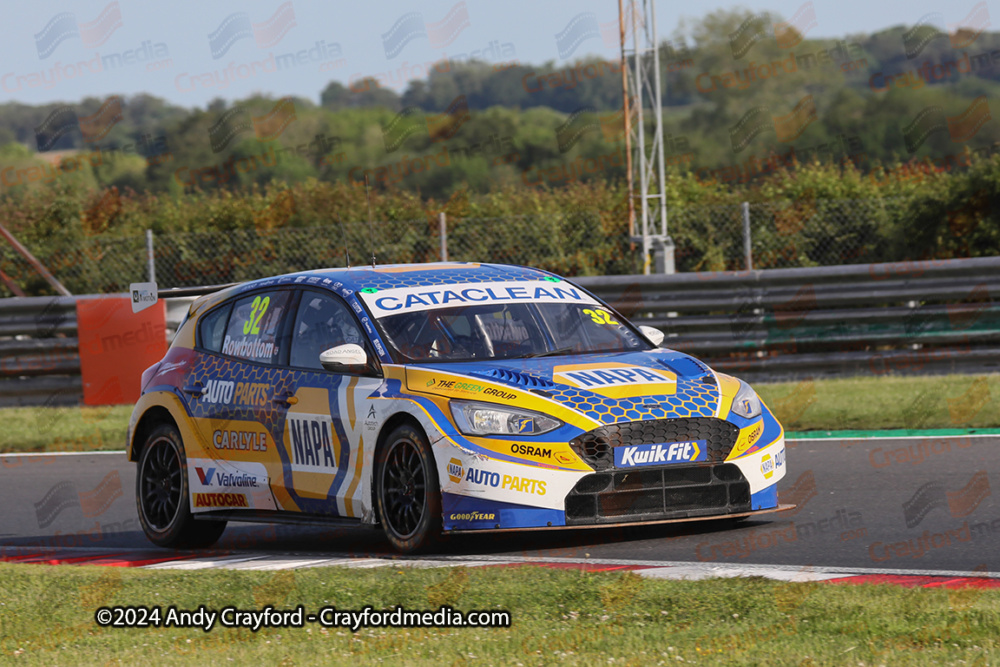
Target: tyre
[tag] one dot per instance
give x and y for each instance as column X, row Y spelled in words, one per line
column 408, row 497
column 162, row 497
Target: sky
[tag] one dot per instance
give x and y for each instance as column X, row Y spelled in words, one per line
column 190, row 52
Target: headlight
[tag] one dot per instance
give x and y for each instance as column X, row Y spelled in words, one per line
column 746, row 403
column 489, row 419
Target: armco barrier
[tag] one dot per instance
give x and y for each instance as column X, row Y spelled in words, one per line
column 39, row 349
column 911, row 317
column 935, row 316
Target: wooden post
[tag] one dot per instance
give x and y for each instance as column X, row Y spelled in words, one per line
column 35, row 264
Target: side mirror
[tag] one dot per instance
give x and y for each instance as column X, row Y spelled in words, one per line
column 348, row 356
column 654, row 335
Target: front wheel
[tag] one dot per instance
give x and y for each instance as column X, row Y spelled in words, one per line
column 409, row 497
column 161, row 494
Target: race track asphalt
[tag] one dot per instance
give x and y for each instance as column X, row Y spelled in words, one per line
column 916, row 503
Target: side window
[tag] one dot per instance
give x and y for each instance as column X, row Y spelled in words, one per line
column 605, row 331
column 591, row 327
column 212, row 328
column 254, row 327
column 323, row 321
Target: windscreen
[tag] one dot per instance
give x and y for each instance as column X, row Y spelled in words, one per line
column 497, row 321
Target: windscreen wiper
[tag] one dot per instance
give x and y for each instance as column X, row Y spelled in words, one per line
column 550, row 353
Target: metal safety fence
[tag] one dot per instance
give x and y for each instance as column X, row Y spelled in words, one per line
column 781, row 324
column 937, row 316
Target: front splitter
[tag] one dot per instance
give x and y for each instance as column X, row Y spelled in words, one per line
column 713, row 517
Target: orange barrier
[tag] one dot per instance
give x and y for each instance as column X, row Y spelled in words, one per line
column 116, row 346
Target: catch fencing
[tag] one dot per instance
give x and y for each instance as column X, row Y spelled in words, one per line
column 782, row 324
column 769, row 235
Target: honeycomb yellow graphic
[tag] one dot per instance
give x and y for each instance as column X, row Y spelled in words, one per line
column 271, row 415
column 693, row 399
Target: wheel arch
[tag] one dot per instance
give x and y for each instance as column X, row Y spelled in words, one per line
column 150, row 419
column 390, row 425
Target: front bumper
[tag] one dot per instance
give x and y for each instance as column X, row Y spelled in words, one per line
column 481, row 493
column 671, row 492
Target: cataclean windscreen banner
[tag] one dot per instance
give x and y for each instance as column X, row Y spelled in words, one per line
column 411, row 299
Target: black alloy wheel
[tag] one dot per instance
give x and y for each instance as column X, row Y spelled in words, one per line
column 162, row 495
column 161, row 484
column 409, row 498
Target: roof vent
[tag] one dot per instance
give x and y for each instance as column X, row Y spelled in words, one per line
column 686, row 367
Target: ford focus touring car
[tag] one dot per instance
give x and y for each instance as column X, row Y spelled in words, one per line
column 435, row 399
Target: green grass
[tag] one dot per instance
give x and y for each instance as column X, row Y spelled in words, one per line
column 63, row 429
column 864, row 403
column 872, row 402
column 559, row 617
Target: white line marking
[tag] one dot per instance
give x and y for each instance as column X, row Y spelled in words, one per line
column 368, row 564
column 696, row 574
column 845, row 571
column 273, row 563
column 896, row 437
column 349, row 562
column 199, row 563
column 684, row 568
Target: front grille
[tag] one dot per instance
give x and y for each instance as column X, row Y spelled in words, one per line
column 597, row 447
column 670, row 492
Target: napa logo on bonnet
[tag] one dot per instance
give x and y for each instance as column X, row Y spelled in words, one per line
column 660, row 454
column 617, row 380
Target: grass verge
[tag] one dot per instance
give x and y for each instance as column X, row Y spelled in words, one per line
column 889, row 402
column 559, row 617
column 67, row 429
column 862, row 403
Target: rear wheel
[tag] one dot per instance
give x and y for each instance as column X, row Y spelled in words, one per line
column 409, row 498
column 161, row 494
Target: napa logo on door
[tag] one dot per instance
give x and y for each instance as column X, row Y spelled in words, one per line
column 312, row 445
column 659, row 454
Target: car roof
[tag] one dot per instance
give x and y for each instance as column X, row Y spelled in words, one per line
column 389, row 276
column 384, row 276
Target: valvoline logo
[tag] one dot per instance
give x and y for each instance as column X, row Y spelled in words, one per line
column 240, row 479
column 659, row 454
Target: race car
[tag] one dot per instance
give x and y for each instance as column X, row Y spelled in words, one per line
column 431, row 399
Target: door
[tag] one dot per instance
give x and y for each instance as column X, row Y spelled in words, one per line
column 236, row 395
column 330, row 428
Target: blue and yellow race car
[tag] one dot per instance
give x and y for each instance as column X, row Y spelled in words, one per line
column 433, row 399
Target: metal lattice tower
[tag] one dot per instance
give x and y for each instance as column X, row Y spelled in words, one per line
column 643, row 117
